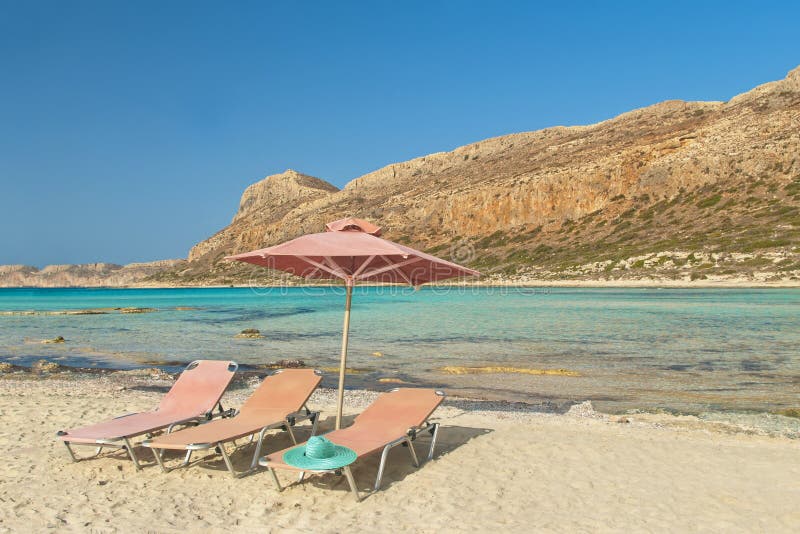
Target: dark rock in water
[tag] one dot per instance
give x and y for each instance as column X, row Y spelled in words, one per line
column 43, row 366
column 789, row 412
column 59, row 339
column 250, row 333
column 284, row 364
column 290, row 364
column 136, row 310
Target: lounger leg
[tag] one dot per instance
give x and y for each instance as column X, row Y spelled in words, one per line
column 132, row 454
column 291, row 433
column 157, row 453
column 386, row 450
column 433, row 440
column 257, row 453
column 301, row 477
column 227, row 460
column 314, row 420
column 187, row 458
column 350, row 480
column 275, row 478
column 71, row 452
column 413, row 452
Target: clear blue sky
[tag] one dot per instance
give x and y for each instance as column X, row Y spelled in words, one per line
column 128, row 130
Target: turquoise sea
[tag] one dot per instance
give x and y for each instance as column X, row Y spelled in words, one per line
column 683, row 350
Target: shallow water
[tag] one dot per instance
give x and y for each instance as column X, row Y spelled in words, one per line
column 684, row 350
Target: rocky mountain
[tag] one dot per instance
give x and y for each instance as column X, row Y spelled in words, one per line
column 87, row 275
column 676, row 191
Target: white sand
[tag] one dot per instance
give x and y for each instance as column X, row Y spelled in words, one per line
column 515, row 471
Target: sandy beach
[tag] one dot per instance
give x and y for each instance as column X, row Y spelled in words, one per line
column 494, row 468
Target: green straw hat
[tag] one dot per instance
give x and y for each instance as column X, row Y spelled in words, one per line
column 319, row 453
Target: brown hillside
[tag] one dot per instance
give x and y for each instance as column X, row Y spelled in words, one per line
column 632, row 196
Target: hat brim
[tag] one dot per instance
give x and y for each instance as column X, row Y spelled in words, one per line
column 342, row 456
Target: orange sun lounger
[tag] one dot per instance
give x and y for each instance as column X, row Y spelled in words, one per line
column 278, row 403
column 192, row 398
column 395, row 418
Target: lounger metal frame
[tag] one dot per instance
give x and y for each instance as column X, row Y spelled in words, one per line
column 125, row 441
column 407, row 441
column 286, row 425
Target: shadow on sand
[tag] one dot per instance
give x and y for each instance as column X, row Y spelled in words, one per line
column 398, row 464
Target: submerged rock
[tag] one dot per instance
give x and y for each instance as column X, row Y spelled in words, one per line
column 43, row 366
column 6, row 367
column 583, row 409
column 59, row 339
column 249, row 333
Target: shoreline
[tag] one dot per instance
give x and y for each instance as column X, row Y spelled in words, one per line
column 102, row 381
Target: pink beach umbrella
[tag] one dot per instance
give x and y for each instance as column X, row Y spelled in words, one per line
column 351, row 250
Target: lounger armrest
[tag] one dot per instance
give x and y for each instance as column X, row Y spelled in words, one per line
column 294, row 418
column 224, row 414
column 197, row 420
column 428, row 426
column 126, row 415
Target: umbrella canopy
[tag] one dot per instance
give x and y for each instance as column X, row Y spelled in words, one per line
column 351, row 250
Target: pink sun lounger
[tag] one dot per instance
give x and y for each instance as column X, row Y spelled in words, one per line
column 395, row 418
column 278, row 403
column 191, row 399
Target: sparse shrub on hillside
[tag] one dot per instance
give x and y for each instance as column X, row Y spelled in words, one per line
column 765, row 243
column 622, row 226
column 727, row 204
column 793, row 187
column 710, row 201
column 498, row 238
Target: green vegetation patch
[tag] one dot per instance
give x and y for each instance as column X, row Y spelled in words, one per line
column 710, row 201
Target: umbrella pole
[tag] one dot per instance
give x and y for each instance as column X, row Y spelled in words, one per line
column 343, row 363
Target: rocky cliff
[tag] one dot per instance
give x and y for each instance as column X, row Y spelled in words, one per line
column 263, row 205
column 674, row 191
column 679, row 179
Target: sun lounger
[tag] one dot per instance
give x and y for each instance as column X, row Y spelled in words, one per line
column 278, row 403
column 191, row 399
column 395, row 418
